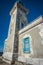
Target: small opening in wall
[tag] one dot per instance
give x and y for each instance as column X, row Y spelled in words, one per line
column 22, row 25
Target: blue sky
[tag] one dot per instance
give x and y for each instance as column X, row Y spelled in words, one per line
column 35, row 8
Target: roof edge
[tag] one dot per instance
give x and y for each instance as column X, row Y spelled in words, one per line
column 32, row 24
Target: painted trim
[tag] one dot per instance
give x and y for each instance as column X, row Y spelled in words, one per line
column 31, row 51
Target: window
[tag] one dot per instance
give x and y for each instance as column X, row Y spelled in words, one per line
column 22, row 25
column 26, row 45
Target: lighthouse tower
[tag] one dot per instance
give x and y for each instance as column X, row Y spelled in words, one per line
column 17, row 22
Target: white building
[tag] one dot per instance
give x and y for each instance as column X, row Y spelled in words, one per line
column 25, row 41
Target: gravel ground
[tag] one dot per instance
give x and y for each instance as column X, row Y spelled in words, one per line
column 16, row 63
column 2, row 62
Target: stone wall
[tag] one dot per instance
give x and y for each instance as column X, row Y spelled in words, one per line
column 36, row 43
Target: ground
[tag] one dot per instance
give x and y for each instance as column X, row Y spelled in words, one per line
column 16, row 63
column 4, row 63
